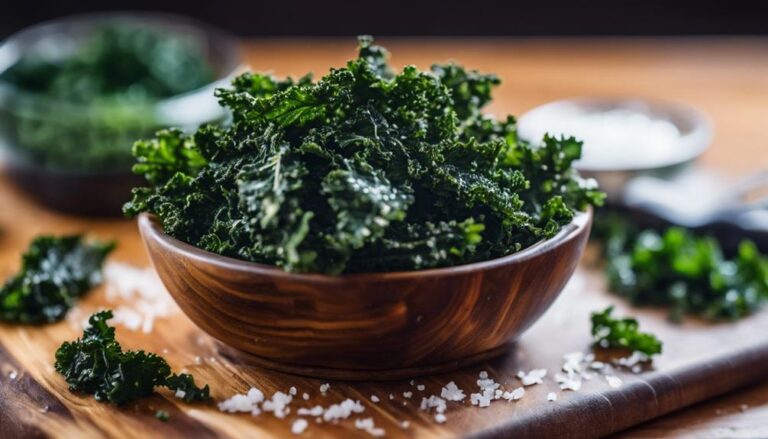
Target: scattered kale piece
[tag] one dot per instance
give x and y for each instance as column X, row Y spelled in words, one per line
column 362, row 170
column 610, row 332
column 162, row 415
column 83, row 111
column 96, row 364
column 55, row 273
column 684, row 272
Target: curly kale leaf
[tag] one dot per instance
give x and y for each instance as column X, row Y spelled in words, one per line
column 96, row 364
column 610, row 332
column 686, row 273
column 363, row 170
column 55, row 273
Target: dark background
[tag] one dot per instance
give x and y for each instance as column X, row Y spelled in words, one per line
column 433, row 17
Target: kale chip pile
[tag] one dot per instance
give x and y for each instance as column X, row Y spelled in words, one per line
column 364, row 170
column 55, row 273
column 686, row 273
column 125, row 62
column 96, row 364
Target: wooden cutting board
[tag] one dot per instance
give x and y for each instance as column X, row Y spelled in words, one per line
column 700, row 361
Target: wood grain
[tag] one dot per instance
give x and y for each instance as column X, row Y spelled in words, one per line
column 399, row 324
column 727, row 78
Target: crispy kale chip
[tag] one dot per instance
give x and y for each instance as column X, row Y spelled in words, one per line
column 363, row 170
column 610, row 332
column 686, row 273
column 96, row 364
column 55, row 273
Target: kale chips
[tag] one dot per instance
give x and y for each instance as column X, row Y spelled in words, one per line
column 364, row 170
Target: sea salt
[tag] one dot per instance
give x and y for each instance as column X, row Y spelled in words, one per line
column 143, row 297
column 440, row 418
column 342, row 410
column 324, row 388
column 375, row 398
column 613, row 381
column 314, row 411
column 278, row 404
column 551, row 396
column 407, row 395
column 628, row 135
column 299, row 426
column 514, row 395
column 434, row 402
column 451, row 392
column 247, row 403
column 533, row 377
column 368, row 426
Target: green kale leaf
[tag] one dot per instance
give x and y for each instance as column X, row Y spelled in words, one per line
column 96, row 364
column 610, row 332
column 55, row 273
column 364, row 170
column 684, row 272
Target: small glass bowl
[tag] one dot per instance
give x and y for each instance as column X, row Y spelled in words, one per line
column 38, row 132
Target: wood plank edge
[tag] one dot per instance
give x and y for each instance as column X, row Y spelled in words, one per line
column 637, row 401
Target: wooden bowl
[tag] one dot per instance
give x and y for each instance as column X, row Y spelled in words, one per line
column 366, row 326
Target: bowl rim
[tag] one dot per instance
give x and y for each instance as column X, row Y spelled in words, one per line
column 702, row 130
column 150, row 229
column 142, row 18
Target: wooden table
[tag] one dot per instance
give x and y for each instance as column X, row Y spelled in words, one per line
column 726, row 78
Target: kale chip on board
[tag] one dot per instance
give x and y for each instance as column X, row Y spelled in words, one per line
column 55, row 273
column 622, row 333
column 96, row 364
column 686, row 273
column 363, row 170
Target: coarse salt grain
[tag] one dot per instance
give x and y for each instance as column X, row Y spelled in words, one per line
column 342, row 410
column 248, row 403
column 368, row 426
column 292, row 391
column 451, row 392
column 407, row 395
column 180, row 394
column 514, row 395
column 551, row 396
column 405, row 424
column 613, row 381
column 434, row 402
column 314, row 411
column 440, row 418
column 305, row 395
column 299, row 426
column 421, row 387
column 324, row 387
column 375, row 398
column 278, row 404
column 533, row 377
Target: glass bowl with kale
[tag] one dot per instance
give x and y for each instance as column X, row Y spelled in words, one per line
column 76, row 92
column 374, row 213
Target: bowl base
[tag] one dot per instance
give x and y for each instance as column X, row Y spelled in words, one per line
column 238, row 356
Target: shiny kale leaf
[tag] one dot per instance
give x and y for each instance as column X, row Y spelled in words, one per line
column 363, row 170
column 96, row 364
column 610, row 332
column 686, row 273
column 55, row 273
